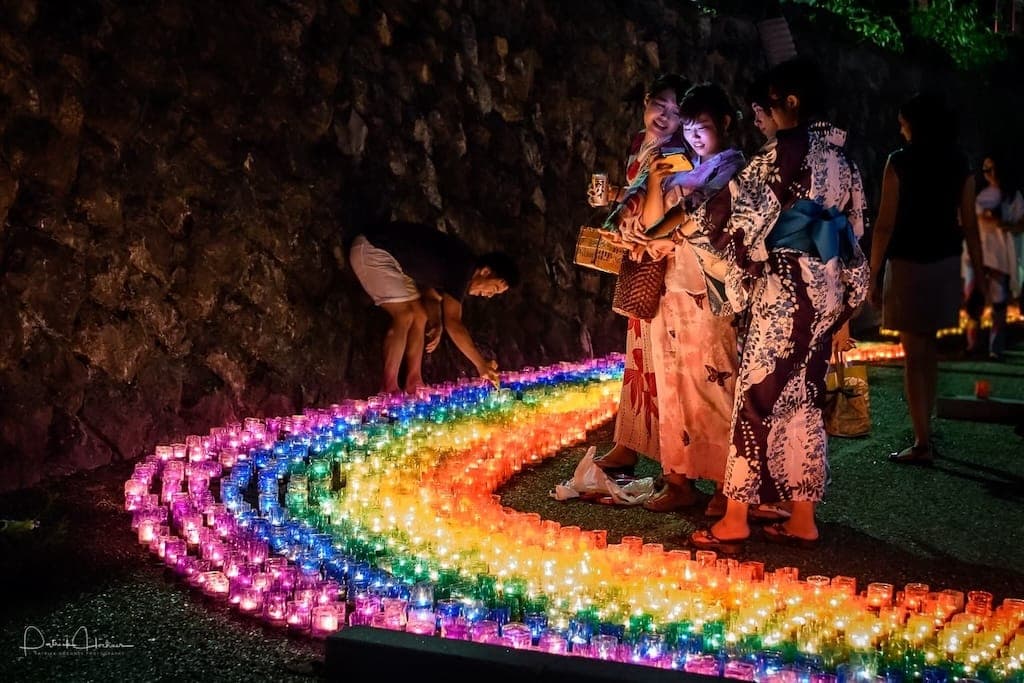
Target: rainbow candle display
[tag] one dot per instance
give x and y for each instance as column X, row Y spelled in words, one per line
column 382, row 512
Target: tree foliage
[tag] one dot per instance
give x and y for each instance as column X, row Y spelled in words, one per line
column 958, row 28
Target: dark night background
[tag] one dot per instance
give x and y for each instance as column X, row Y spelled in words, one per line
column 178, row 178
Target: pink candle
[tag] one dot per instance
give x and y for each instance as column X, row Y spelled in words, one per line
column 421, row 621
column 173, row 548
column 275, row 607
column 325, row 619
column 250, row 600
column 216, row 585
column 146, row 530
column 298, row 615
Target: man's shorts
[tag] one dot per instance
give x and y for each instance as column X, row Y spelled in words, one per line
column 380, row 274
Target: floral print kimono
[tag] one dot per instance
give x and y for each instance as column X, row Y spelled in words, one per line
column 795, row 300
column 636, row 426
column 694, row 350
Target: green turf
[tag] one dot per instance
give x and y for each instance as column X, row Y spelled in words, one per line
column 954, row 525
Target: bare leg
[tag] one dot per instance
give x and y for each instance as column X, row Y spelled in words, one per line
column 802, row 522
column 618, row 456
column 394, row 342
column 734, row 523
column 920, row 376
column 414, row 349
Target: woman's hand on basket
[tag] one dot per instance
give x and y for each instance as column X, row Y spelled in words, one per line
column 614, row 237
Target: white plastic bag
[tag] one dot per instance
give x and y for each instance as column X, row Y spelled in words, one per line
column 591, row 481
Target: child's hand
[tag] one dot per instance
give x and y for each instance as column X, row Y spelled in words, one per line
column 660, row 248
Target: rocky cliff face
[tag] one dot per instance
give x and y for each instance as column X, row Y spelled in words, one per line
column 177, row 180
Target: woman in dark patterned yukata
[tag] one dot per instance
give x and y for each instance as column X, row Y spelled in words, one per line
column 782, row 242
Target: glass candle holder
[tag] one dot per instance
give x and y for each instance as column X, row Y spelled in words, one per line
column 325, row 620
column 914, row 595
column 422, row 621
column 650, row 647
column 845, row 585
column 457, row 629
column 740, row 670
column 216, row 585
column 449, row 609
column 879, row 595
column 537, row 623
column 146, row 531
column 978, row 603
column 173, row 548
column 275, row 607
column 482, row 631
column 519, row 634
column 604, row 646
column 705, row 558
column 250, row 600
column 422, row 594
column 553, row 642
column 298, row 615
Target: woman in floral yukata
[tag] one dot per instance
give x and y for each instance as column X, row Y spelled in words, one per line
column 636, row 426
column 694, row 350
column 783, row 243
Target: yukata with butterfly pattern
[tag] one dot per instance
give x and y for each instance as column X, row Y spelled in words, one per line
column 695, row 351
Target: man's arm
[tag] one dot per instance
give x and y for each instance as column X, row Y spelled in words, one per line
column 432, row 303
column 460, row 335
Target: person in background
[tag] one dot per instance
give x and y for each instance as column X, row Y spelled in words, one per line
column 420, row 276
column 925, row 215
column 999, row 208
column 783, row 240
column 636, row 425
column 760, row 105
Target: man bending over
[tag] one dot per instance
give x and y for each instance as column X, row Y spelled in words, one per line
column 420, row 276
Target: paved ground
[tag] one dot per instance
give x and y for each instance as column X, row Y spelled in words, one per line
column 954, row 525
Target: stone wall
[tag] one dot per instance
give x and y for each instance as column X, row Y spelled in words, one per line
column 177, row 180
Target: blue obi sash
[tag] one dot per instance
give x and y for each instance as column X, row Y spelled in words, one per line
column 811, row 228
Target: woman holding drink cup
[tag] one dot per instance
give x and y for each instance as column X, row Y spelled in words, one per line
column 636, row 428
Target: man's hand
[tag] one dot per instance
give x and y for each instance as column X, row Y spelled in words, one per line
column 435, row 325
column 433, row 337
column 489, row 371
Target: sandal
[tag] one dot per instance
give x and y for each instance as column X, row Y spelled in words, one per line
column 670, row 498
column 766, row 512
column 914, row 455
column 705, row 539
column 777, row 533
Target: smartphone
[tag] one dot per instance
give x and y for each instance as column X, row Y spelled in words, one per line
column 678, row 160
